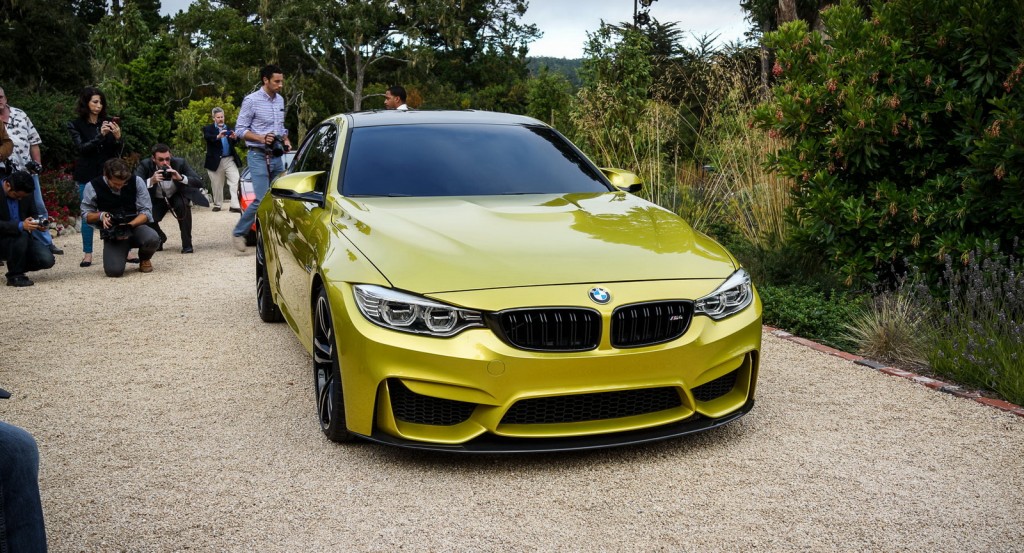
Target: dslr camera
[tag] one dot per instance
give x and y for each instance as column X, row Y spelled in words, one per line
column 120, row 228
column 33, row 167
column 43, row 222
column 277, row 147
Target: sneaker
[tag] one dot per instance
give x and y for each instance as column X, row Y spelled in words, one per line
column 239, row 242
column 187, row 249
column 216, row 208
column 235, row 210
column 146, row 266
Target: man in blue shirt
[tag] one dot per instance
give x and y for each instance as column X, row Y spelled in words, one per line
column 18, row 219
column 260, row 122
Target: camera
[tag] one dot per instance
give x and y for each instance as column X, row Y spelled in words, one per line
column 166, row 174
column 120, row 228
column 34, row 167
column 43, row 222
column 277, row 147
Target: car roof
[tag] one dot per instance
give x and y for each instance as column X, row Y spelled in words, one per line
column 431, row 117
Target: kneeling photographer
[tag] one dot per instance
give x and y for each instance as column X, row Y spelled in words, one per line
column 172, row 185
column 118, row 204
column 18, row 219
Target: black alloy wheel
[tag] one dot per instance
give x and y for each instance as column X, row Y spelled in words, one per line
column 330, row 404
column 269, row 312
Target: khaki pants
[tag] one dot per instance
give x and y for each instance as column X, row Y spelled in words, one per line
column 227, row 171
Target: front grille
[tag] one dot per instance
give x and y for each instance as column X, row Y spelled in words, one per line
column 716, row 388
column 589, row 407
column 550, row 329
column 645, row 324
column 408, row 406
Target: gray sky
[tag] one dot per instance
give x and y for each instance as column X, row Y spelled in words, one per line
column 565, row 23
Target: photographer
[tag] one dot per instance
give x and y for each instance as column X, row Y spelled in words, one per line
column 27, row 156
column 172, row 184
column 222, row 161
column 261, row 124
column 118, row 204
column 18, row 219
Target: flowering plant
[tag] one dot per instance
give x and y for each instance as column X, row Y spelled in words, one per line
column 60, row 194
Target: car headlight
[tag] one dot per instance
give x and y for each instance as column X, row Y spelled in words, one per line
column 731, row 297
column 408, row 313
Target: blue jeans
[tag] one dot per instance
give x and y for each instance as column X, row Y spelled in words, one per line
column 21, row 518
column 87, row 229
column 260, row 184
column 42, row 236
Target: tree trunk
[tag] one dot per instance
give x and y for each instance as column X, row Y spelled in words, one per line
column 787, row 11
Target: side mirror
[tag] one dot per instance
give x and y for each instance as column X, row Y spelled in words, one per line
column 623, row 180
column 298, row 186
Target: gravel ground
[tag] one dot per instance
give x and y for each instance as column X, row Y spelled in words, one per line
column 169, row 418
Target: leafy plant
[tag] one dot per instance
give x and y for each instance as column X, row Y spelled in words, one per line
column 903, row 128
column 812, row 313
column 977, row 336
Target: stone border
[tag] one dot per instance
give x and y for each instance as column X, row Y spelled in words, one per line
column 932, row 383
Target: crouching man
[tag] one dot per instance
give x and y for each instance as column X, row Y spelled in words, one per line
column 118, row 204
column 18, row 219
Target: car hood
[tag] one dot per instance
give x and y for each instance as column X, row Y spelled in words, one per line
column 443, row 244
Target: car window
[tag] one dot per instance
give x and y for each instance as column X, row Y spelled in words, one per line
column 464, row 160
column 316, row 154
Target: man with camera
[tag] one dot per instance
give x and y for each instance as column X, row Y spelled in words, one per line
column 118, row 204
column 172, row 185
column 222, row 161
column 261, row 124
column 27, row 156
column 18, row 219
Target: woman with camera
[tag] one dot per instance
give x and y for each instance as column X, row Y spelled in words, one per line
column 97, row 138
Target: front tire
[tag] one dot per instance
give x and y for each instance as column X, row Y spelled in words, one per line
column 330, row 402
column 269, row 312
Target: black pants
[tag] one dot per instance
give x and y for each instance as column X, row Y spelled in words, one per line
column 24, row 253
column 115, row 252
column 182, row 211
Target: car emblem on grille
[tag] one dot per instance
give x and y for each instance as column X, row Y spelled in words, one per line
column 600, row 295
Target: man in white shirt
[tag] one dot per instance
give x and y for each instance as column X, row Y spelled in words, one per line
column 394, row 98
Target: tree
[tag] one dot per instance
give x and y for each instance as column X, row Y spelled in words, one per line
column 45, row 44
column 549, row 99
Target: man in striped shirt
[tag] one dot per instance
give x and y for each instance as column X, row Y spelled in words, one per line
column 259, row 122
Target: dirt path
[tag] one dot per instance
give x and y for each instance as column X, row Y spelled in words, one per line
column 170, row 418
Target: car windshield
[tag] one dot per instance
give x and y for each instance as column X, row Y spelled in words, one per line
column 464, row 160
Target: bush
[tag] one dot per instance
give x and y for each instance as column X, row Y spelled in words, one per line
column 812, row 313
column 977, row 336
column 890, row 328
column 905, row 130
column 60, row 194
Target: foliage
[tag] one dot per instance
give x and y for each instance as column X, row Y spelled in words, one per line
column 50, row 113
column 976, row 336
column 888, row 121
column 549, row 97
column 60, row 194
column 889, row 328
column 45, row 44
column 821, row 315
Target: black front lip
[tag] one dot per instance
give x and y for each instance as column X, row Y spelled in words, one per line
column 499, row 444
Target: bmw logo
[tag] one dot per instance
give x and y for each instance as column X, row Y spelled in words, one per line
column 600, row 295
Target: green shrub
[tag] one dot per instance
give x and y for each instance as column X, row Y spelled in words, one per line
column 905, row 129
column 810, row 312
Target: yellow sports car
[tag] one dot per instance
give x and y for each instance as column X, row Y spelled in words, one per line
column 470, row 281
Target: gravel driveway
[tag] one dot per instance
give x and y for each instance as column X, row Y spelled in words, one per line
column 169, row 418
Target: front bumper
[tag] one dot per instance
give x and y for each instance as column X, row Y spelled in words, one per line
column 485, row 378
